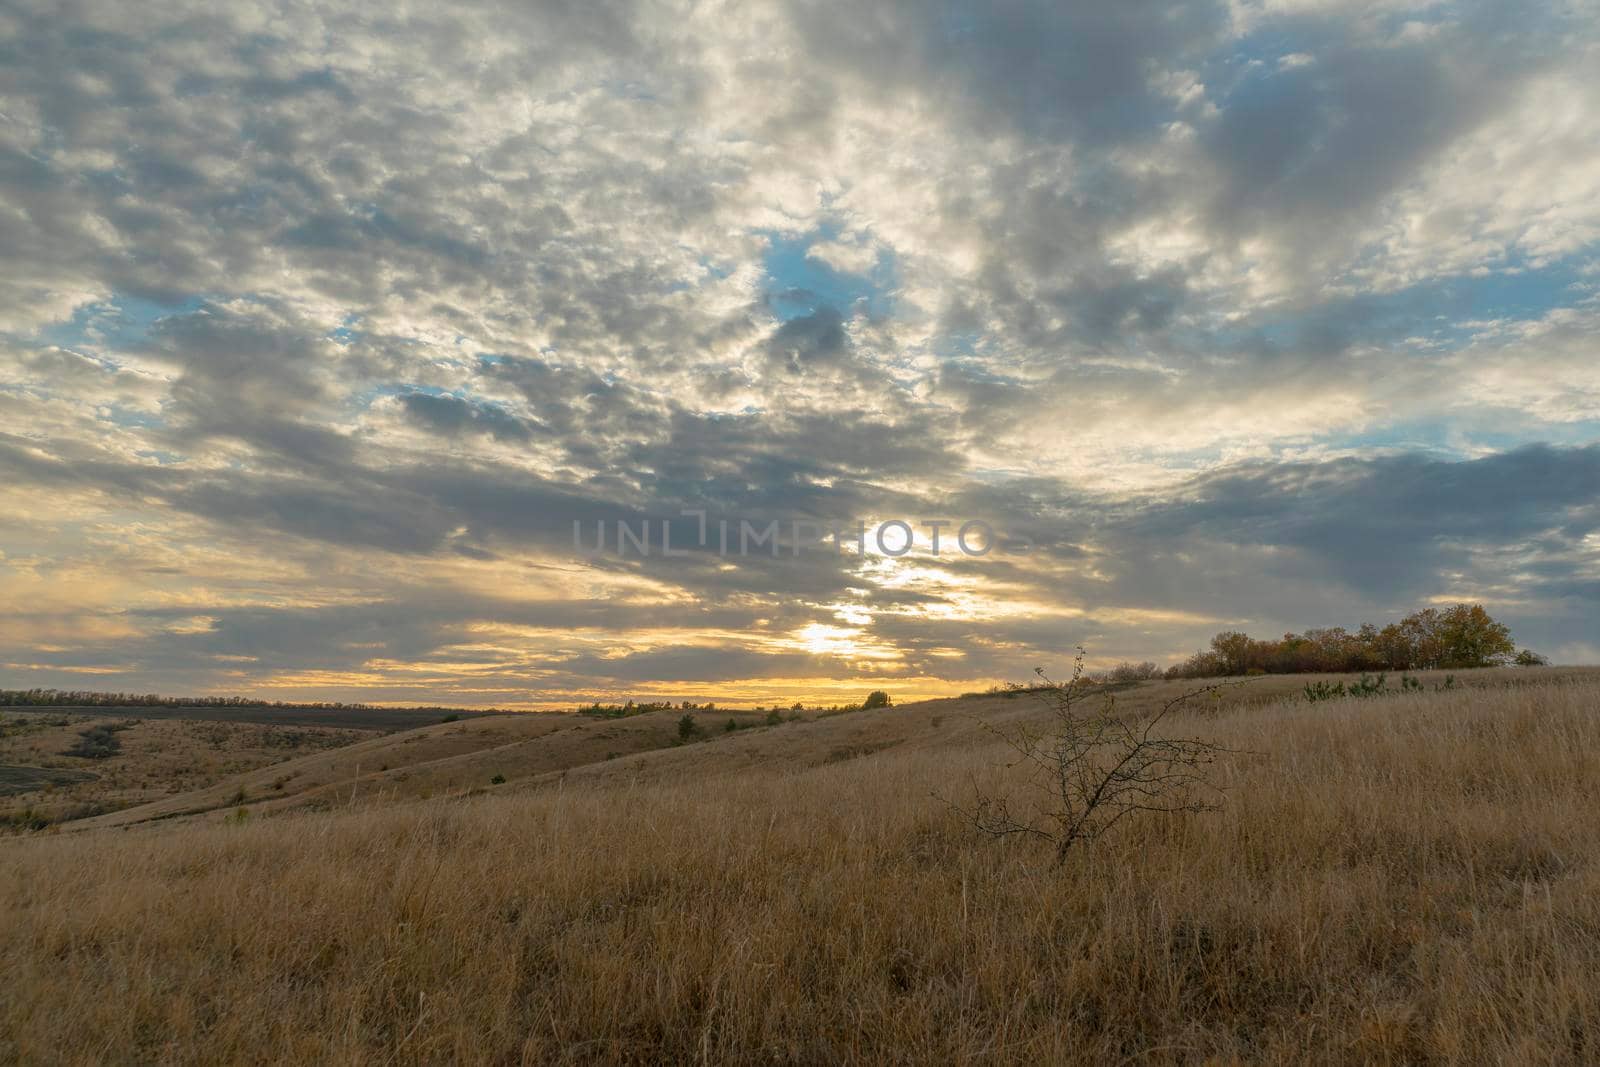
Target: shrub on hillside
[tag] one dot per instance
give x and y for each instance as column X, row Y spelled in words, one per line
column 1370, row 686
column 1091, row 768
column 97, row 742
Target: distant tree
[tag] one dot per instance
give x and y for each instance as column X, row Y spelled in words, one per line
column 876, row 699
column 1470, row 638
column 1392, row 648
column 687, row 728
column 1330, row 649
column 1529, row 658
column 59, row 698
column 1133, row 672
column 1199, row 665
column 1421, row 629
column 1232, row 651
column 1458, row 637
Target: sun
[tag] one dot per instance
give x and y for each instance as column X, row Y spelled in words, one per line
column 824, row 640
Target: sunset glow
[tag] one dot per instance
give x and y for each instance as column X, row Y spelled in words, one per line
column 318, row 344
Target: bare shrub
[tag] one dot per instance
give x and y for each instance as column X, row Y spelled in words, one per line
column 1090, row 768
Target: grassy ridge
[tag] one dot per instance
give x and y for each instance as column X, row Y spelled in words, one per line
column 1400, row 880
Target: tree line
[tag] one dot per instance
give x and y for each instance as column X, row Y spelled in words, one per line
column 75, row 698
column 1456, row 638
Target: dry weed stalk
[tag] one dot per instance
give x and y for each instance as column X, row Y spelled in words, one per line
column 1096, row 768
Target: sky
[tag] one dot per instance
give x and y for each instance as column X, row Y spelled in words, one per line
column 322, row 324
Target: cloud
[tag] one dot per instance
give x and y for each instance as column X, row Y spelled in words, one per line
column 453, row 416
column 814, row 340
column 1397, row 527
column 329, row 326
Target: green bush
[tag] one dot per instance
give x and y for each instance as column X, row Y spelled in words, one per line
column 97, row 742
column 1318, row 691
column 1368, row 686
column 1371, row 686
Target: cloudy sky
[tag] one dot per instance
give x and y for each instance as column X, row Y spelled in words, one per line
column 321, row 324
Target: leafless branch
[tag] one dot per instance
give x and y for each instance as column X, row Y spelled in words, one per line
column 1093, row 768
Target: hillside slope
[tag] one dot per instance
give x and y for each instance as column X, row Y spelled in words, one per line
column 437, row 759
column 1410, row 879
column 536, row 751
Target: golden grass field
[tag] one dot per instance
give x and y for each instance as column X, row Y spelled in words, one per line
column 1404, row 879
column 158, row 759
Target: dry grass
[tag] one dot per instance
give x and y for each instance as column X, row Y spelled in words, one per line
column 452, row 759
column 1408, row 879
column 156, row 759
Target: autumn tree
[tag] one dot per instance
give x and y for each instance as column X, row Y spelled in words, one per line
column 1455, row 638
column 1468, row 637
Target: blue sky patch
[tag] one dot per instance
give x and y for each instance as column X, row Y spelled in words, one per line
column 122, row 322
column 798, row 284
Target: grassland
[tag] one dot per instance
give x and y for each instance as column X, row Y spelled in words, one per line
column 40, row 784
column 1404, row 879
column 168, row 751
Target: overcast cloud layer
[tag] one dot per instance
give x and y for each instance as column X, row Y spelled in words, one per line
column 320, row 324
